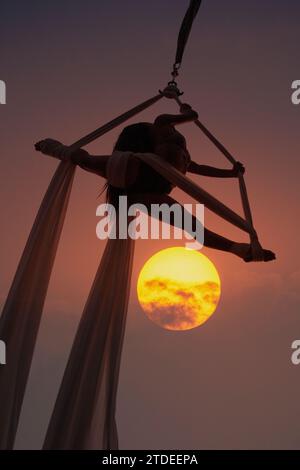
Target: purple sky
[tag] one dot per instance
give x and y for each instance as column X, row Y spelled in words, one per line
column 70, row 66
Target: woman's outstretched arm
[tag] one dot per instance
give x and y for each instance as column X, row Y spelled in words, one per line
column 92, row 163
column 205, row 170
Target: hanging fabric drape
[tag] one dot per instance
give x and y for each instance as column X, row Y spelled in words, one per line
column 22, row 311
column 21, row 314
column 84, row 413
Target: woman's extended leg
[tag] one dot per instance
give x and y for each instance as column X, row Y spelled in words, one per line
column 211, row 239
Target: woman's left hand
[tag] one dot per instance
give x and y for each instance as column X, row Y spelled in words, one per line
column 54, row 148
column 238, row 169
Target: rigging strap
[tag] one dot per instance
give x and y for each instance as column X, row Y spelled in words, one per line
column 184, row 33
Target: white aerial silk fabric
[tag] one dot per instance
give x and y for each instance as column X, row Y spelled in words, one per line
column 84, row 413
column 122, row 169
column 23, row 308
column 22, row 311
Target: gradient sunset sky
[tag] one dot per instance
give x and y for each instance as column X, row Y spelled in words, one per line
column 69, row 67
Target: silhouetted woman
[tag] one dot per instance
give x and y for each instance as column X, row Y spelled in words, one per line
column 142, row 184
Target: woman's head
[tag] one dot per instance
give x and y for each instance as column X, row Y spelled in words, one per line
column 136, row 138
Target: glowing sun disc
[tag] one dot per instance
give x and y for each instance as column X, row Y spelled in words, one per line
column 179, row 288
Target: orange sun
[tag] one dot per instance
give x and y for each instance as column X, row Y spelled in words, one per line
column 179, row 288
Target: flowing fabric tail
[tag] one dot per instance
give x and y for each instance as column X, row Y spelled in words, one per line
column 84, row 413
column 22, row 311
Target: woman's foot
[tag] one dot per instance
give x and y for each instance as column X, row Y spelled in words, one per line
column 244, row 251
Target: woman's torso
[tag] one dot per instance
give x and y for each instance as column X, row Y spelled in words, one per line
column 170, row 145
